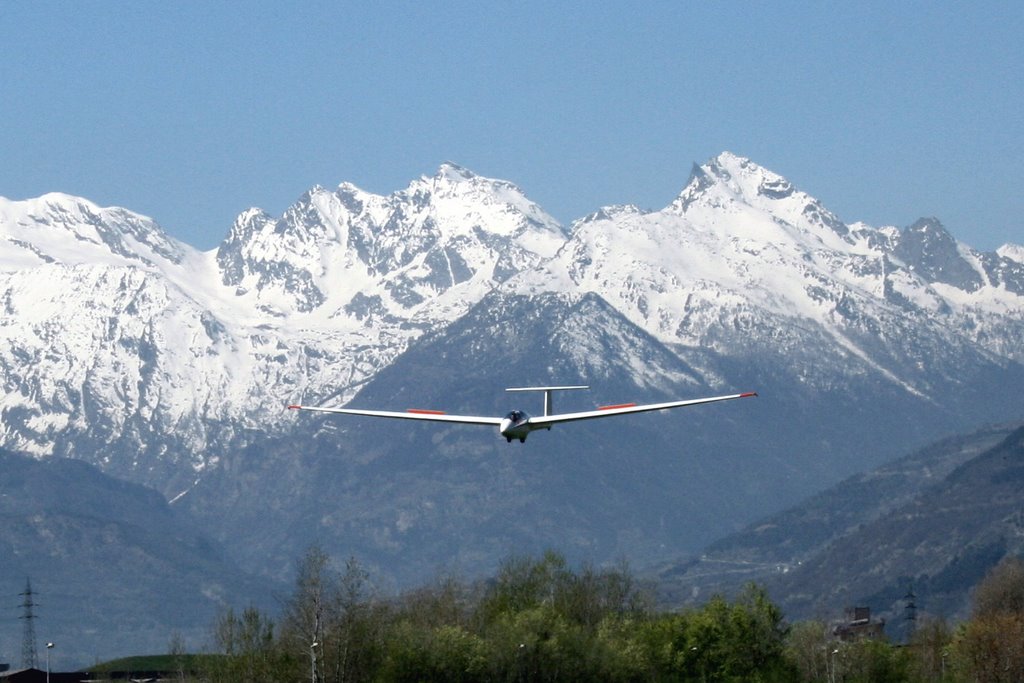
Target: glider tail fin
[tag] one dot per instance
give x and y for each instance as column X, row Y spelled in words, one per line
column 548, row 391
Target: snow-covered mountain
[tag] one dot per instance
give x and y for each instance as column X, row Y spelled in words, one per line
column 416, row 255
column 741, row 258
column 126, row 347
column 131, row 350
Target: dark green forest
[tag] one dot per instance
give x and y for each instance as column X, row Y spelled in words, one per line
column 539, row 619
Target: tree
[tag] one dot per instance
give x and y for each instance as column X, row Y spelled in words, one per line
column 590, row 595
column 353, row 627
column 247, row 643
column 1001, row 591
column 523, row 583
column 759, row 632
column 808, row 645
column 929, row 651
column 305, row 612
column 990, row 647
column 442, row 653
column 871, row 660
column 176, row 649
column 331, row 622
column 721, row 641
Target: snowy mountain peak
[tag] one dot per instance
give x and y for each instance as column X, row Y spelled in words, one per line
column 62, row 228
column 494, row 205
column 741, row 247
column 737, row 184
column 742, row 171
column 348, row 252
column 1012, row 252
column 746, row 179
column 607, row 213
column 455, row 173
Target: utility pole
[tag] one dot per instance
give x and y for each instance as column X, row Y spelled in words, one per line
column 28, row 637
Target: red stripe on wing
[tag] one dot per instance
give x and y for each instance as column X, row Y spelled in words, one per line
column 618, row 405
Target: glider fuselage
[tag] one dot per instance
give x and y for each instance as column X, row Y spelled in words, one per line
column 517, row 425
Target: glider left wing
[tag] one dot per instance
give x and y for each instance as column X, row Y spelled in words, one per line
column 412, row 414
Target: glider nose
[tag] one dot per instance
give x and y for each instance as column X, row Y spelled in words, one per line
column 506, row 425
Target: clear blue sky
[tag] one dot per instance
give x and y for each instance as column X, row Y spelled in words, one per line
column 191, row 112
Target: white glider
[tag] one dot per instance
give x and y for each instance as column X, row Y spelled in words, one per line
column 517, row 424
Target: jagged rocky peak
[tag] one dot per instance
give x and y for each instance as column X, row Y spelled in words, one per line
column 279, row 257
column 353, row 198
column 439, row 232
column 453, row 175
column 452, row 201
column 311, row 218
column 247, row 224
column 231, row 253
column 931, row 252
column 746, row 178
column 317, row 215
column 1013, row 252
column 702, row 180
column 929, row 228
column 729, row 178
column 608, row 213
column 452, row 171
column 450, row 180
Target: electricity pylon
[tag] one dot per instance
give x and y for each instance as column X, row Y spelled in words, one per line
column 28, row 637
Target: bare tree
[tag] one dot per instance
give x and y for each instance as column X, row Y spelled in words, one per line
column 316, row 588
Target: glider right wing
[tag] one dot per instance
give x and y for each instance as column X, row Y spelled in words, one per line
column 627, row 408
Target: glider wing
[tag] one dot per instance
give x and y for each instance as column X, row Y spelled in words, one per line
column 412, row 414
column 625, row 409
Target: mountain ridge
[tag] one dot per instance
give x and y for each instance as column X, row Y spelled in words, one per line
column 110, row 561
column 931, row 523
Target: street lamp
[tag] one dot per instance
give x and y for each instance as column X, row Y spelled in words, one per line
column 49, row 646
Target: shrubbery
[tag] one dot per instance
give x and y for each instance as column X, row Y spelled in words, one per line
column 540, row 620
